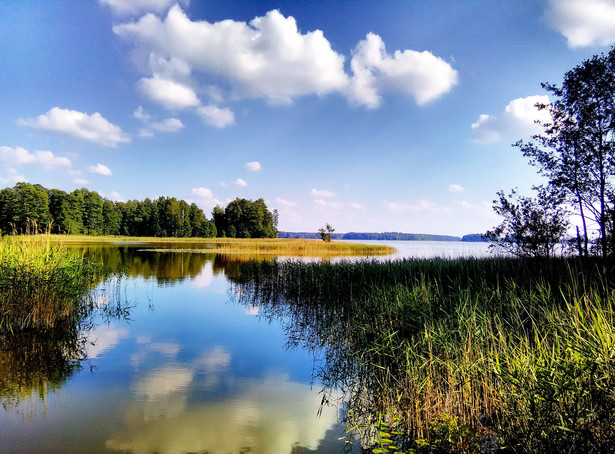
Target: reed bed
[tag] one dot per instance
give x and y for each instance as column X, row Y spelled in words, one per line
column 468, row 355
column 262, row 246
column 40, row 282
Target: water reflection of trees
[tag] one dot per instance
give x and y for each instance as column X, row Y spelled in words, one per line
column 165, row 267
column 36, row 362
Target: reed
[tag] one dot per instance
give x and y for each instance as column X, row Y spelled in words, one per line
column 40, row 282
column 256, row 246
column 467, row 355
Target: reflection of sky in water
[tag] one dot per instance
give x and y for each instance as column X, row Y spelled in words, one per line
column 188, row 372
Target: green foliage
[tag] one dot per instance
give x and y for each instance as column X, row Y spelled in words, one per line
column 244, row 218
column 326, row 232
column 576, row 151
column 30, row 208
column 531, row 227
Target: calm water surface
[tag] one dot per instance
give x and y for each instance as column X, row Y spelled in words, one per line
column 182, row 368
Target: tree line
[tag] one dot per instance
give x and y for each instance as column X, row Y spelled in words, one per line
column 575, row 153
column 30, row 208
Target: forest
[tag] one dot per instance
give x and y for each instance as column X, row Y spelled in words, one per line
column 31, row 208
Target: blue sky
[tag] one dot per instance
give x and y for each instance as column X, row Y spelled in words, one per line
column 372, row 116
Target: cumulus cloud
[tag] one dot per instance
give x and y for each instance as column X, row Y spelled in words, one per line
column 81, row 181
column 100, row 169
column 21, row 156
column 271, row 59
column 94, row 127
column 167, row 125
column 133, row 7
column 267, row 58
column 285, row 203
column 172, row 95
column 253, row 166
column 584, row 22
column 518, row 119
column 205, row 197
column 456, row 188
column 216, row 116
column 420, row 75
column 241, row 182
column 322, row 193
column 13, row 177
column 421, row 205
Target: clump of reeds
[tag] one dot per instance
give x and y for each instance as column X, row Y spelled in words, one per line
column 250, row 246
column 40, row 282
column 465, row 355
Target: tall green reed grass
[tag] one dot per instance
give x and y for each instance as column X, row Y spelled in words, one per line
column 40, row 282
column 468, row 355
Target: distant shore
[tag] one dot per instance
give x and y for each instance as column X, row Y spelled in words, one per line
column 386, row 236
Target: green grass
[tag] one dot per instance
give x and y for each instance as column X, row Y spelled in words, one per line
column 460, row 354
column 40, row 283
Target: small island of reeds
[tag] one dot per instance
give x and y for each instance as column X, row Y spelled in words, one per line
column 256, row 246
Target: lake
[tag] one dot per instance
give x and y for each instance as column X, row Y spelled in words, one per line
column 171, row 362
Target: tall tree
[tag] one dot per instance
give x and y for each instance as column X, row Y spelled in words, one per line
column 576, row 150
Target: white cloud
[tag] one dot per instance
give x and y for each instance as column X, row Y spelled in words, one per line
column 518, row 119
column 114, row 196
column 100, row 169
column 253, row 166
column 13, row 177
column 92, row 127
column 126, row 7
column 267, row 58
column 205, row 197
column 322, row 193
column 420, row 206
column 270, row 58
column 456, row 188
column 285, row 203
column 81, row 181
column 140, row 114
column 241, row 182
column 202, row 193
column 584, row 22
column 21, row 156
column 328, row 204
column 168, row 125
column 215, row 116
column 421, row 75
column 168, row 93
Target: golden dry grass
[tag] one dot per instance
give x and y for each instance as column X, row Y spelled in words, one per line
column 261, row 246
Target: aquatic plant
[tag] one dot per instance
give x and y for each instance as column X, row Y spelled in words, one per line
column 40, row 282
column 468, row 355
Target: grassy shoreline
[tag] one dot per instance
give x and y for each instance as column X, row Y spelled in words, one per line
column 41, row 282
column 463, row 356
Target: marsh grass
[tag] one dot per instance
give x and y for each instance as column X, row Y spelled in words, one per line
column 468, row 355
column 40, row 282
column 260, row 246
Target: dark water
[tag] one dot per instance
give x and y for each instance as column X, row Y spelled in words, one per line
column 167, row 362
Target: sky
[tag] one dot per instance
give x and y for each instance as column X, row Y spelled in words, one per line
column 371, row 116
